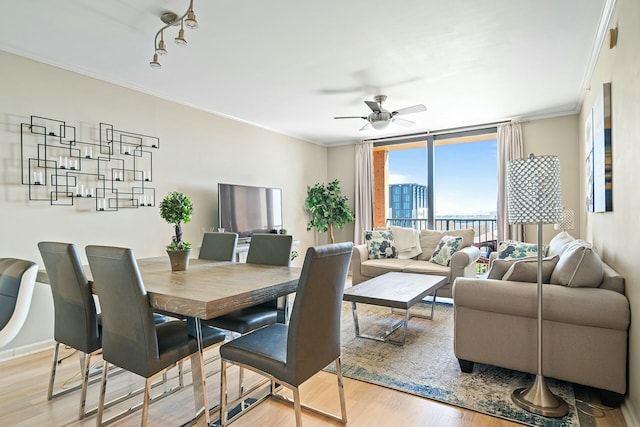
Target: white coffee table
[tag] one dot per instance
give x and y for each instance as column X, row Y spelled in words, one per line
column 394, row 290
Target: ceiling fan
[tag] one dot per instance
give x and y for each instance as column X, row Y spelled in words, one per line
column 379, row 118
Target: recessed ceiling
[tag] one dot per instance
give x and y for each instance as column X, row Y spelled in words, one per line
column 291, row 66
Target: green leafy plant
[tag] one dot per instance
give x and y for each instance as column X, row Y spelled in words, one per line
column 176, row 208
column 328, row 208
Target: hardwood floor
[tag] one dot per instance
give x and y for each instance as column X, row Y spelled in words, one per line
column 24, row 381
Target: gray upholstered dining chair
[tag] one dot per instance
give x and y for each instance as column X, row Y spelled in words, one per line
column 267, row 249
column 291, row 354
column 219, row 246
column 75, row 317
column 76, row 320
column 130, row 337
column 17, row 280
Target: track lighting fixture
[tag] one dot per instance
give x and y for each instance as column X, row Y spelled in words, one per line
column 170, row 19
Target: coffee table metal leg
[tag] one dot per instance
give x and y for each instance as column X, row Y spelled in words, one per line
column 385, row 336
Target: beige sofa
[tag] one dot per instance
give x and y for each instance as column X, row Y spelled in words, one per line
column 463, row 262
column 585, row 329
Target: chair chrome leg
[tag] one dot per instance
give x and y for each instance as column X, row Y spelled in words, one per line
column 343, row 405
column 223, row 392
column 54, row 367
column 297, row 407
column 145, row 402
column 103, row 392
column 85, row 364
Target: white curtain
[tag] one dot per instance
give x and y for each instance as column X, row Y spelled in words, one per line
column 510, row 147
column 364, row 191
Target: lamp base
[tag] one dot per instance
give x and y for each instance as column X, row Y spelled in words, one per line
column 538, row 399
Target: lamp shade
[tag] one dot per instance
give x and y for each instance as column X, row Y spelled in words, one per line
column 533, row 190
column 567, row 221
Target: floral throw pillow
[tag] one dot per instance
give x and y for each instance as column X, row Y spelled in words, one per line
column 512, row 249
column 380, row 244
column 447, row 246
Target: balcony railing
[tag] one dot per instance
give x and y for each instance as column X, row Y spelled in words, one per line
column 485, row 228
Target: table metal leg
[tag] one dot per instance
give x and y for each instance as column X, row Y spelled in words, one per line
column 198, row 374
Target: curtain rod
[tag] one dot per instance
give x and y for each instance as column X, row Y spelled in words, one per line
column 437, row 132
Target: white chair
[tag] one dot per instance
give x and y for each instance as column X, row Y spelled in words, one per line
column 17, row 280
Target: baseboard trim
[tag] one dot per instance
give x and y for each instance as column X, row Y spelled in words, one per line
column 25, row 350
column 629, row 414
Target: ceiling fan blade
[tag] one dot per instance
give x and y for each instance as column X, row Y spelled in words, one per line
column 408, row 110
column 373, row 105
column 350, row 117
column 365, row 127
column 403, row 122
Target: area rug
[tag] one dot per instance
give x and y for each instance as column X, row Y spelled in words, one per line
column 426, row 366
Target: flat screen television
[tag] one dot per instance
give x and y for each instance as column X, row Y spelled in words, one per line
column 245, row 210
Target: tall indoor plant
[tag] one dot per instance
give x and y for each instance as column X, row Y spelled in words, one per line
column 328, row 208
column 176, row 208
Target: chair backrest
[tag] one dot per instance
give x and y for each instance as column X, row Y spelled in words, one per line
column 128, row 331
column 270, row 249
column 75, row 316
column 219, row 246
column 313, row 339
column 17, row 280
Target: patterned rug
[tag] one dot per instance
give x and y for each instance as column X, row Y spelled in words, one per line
column 426, row 366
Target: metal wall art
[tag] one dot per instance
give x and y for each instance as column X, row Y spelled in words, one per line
column 113, row 173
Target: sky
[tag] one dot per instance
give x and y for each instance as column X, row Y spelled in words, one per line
column 466, row 176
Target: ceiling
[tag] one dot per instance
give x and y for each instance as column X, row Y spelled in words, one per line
column 291, row 65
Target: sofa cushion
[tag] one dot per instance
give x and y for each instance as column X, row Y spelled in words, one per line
column 559, row 243
column 526, row 270
column 467, row 234
column 447, row 246
column 429, row 240
column 513, row 249
column 380, row 244
column 423, row 267
column 579, row 266
column 498, row 268
column 376, row 267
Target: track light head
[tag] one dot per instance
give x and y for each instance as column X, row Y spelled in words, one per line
column 155, row 63
column 161, row 49
column 180, row 40
column 190, row 20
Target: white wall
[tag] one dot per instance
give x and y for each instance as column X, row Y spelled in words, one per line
column 556, row 136
column 197, row 150
column 614, row 233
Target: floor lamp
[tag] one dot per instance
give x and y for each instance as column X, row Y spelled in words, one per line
column 533, row 196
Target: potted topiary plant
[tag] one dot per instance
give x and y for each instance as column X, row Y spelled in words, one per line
column 328, row 208
column 176, row 208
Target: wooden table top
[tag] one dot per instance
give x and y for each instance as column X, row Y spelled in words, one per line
column 210, row 288
column 394, row 289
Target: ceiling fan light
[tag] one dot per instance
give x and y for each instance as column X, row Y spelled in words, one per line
column 180, row 40
column 190, row 20
column 380, row 124
column 155, row 63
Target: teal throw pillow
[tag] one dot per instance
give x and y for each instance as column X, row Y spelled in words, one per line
column 380, row 244
column 512, row 249
column 447, row 246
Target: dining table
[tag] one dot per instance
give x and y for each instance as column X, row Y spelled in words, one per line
column 208, row 289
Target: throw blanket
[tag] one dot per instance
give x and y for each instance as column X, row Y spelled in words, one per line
column 407, row 242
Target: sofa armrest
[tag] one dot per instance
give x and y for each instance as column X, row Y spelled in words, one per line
column 463, row 263
column 358, row 256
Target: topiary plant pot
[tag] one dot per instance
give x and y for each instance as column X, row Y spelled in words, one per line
column 179, row 259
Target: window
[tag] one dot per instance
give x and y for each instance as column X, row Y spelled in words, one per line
column 440, row 182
